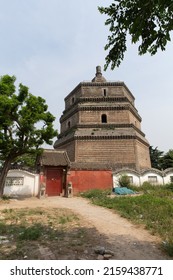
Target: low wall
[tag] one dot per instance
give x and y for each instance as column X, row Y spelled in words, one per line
column 83, row 180
column 21, row 183
column 153, row 176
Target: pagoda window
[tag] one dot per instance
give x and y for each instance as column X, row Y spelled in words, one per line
column 73, row 100
column 104, row 118
column 104, row 92
column 69, row 124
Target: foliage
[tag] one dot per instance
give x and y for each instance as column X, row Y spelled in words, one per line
column 167, row 160
column 5, row 197
column 25, row 161
column 153, row 208
column 161, row 160
column 148, row 22
column 170, row 186
column 156, row 157
column 25, row 124
column 124, row 181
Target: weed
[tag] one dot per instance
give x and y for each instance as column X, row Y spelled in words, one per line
column 154, row 209
column 35, row 211
column 169, row 186
column 5, row 197
column 3, row 229
column 31, row 233
column 168, row 247
column 7, row 211
column 26, row 229
column 64, row 219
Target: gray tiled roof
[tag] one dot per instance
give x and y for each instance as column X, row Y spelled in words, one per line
column 98, row 166
column 54, row 158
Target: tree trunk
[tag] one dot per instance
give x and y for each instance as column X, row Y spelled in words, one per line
column 3, row 175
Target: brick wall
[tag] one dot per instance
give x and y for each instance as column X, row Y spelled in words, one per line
column 71, row 121
column 70, row 148
column 143, row 157
column 94, row 117
column 83, row 180
column 111, row 91
column 134, row 120
column 72, row 97
column 116, row 151
column 120, row 152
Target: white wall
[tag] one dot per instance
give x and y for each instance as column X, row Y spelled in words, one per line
column 134, row 175
column 145, row 177
column 168, row 174
column 21, row 183
column 163, row 177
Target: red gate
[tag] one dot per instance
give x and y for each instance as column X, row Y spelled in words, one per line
column 54, row 181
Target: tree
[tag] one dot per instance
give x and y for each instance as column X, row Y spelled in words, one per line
column 25, row 124
column 27, row 161
column 156, row 157
column 167, row 160
column 149, row 22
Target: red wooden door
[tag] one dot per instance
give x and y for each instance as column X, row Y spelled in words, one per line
column 53, row 181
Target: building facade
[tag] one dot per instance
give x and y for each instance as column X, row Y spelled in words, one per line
column 101, row 127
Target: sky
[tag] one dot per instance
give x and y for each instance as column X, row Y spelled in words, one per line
column 53, row 45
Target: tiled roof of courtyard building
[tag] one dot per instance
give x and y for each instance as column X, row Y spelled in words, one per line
column 98, row 166
column 54, row 158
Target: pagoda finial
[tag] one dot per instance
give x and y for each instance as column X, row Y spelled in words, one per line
column 98, row 70
column 98, row 77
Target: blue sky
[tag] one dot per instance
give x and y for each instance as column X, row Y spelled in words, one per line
column 52, row 45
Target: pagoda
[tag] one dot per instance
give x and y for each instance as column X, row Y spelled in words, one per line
column 101, row 128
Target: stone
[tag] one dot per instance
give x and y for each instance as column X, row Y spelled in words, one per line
column 99, row 250
column 100, row 257
column 107, row 257
column 109, row 252
column 4, row 239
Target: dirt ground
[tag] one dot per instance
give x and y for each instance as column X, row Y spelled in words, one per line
column 102, row 227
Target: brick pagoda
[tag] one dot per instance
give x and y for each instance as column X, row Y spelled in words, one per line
column 101, row 128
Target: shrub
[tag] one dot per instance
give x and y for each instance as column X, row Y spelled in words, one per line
column 124, row 181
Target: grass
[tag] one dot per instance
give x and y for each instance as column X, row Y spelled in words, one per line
column 5, row 197
column 154, row 209
column 24, row 228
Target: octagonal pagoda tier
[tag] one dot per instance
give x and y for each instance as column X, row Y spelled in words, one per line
column 100, row 126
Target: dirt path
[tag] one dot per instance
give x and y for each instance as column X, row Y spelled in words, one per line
column 126, row 240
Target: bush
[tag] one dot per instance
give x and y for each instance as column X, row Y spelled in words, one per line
column 124, row 181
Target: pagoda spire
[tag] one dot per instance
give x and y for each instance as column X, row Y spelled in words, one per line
column 98, row 77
